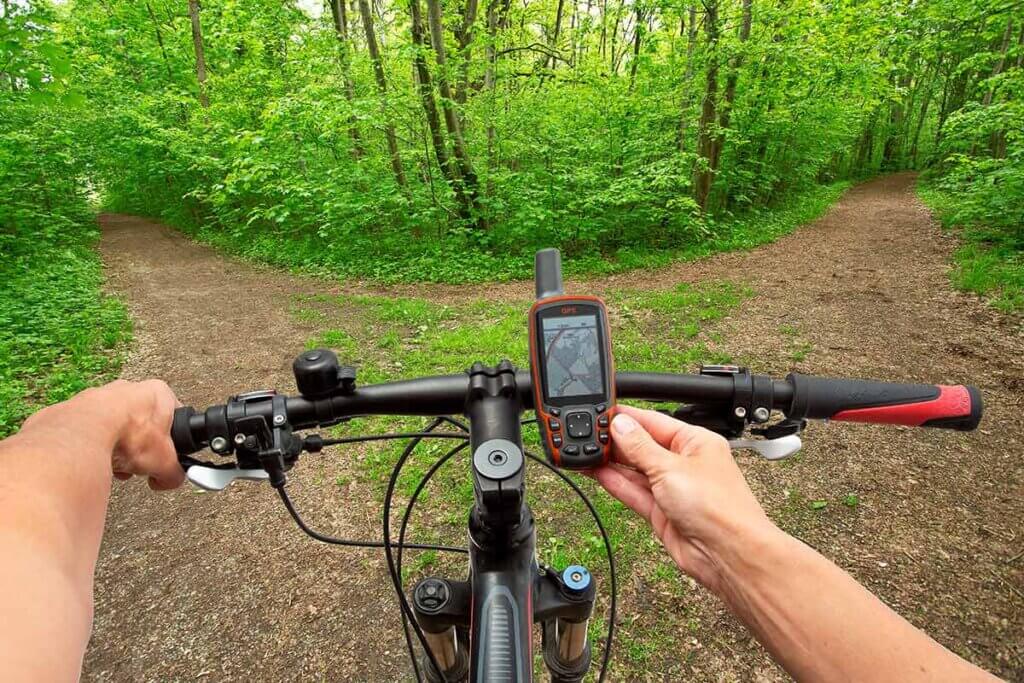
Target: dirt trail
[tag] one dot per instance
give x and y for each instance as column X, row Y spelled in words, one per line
column 202, row 587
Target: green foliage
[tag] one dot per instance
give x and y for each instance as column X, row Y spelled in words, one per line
column 991, row 261
column 58, row 333
column 582, row 152
column 663, row 330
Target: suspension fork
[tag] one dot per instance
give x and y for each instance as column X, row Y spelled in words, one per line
column 495, row 610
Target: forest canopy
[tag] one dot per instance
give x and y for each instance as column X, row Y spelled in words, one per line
column 425, row 139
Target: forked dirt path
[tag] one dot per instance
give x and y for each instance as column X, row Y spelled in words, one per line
column 223, row 587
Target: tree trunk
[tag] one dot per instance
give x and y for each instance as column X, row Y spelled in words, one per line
column 491, row 55
column 703, row 172
column 159, row 38
column 426, row 90
column 637, row 38
column 338, row 13
column 684, row 116
column 893, row 140
column 549, row 61
column 465, row 38
column 9, row 76
column 197, row 44
column 382, row 88
column 730, row 87
column 451, row 118
column 997, row 141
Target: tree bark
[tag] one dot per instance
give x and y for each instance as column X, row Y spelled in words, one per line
column 426, row 89
column 703, row 173
column 997, row 141
column 549, row 62
column 451, row 118
column 338, row 13
column 465, row 39
column 197, row 44
column 687, row 102
column 638, row 33
column 382, row 87
column 159, row 38
column 731, row 80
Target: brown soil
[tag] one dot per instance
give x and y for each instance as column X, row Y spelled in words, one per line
column 223, row 587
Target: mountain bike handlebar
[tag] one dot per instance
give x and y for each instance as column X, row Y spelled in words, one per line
column 507, row 591
column 798, row 396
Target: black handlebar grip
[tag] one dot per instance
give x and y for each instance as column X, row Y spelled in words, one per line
column 917, row 405
column 181, row 432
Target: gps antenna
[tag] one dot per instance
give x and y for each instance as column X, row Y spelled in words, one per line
column 547, row 273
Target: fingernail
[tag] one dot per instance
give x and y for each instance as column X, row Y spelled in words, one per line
column 623, row 424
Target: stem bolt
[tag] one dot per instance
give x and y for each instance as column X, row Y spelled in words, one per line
column 218, row 444
column 740, row 412
column 762, row 414
column 239, row 439
column 279, row 419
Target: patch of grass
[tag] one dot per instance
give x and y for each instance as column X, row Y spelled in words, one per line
column 991, row 261
column 458, row 259
column 58, row 332
column 389, row 339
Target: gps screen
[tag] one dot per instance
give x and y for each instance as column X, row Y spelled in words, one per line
column 571, row 356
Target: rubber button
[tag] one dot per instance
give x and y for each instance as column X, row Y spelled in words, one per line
column 600, row 407
column 602, row 421
column 555, row 425
column 571, row 449
column 591, row 449
column 556, row 440
column 554, row 412
column 579, row 425
column 602, row 437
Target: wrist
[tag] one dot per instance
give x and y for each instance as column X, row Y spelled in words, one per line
column 736, row 549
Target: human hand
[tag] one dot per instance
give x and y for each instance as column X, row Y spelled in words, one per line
column 683, row 480
column 144, row 446
column 132, row 419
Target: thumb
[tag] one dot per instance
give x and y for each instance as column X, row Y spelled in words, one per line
column 632, row 445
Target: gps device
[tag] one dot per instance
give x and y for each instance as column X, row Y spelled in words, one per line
column 572, row 369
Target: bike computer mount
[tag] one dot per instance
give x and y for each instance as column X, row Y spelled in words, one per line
column 572, row 369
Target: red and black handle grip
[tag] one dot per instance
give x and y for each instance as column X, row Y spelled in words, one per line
column 916, row 405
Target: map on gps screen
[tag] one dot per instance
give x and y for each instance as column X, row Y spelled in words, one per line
column 572, row 357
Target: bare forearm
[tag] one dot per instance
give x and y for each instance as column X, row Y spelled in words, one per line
column 820, row 624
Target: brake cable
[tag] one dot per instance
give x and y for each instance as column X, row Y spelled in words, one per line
column 394, row 567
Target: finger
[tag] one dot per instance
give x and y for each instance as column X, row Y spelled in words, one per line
column 663, row 428
column 675, row 435
column 633, row 446
column 638, row 478
column 632, row 495
column 163, row 467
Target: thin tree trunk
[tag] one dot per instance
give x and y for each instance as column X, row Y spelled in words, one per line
column 491, row 55
column 614, row 68
column 549, row 61
column 465, row 38
column 426, row 90
column 638, row 33
column 705, row 138
column 197, row 44
column 684, row 115
column 382, row 88
column 338, row 13
column 450, row 116
column 159, row 38
column 731, row 80
column 9, row 76
column 997, row 141
column 891, row 149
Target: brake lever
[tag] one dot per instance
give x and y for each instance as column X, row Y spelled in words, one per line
column 770, row 449
column 218, row 479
